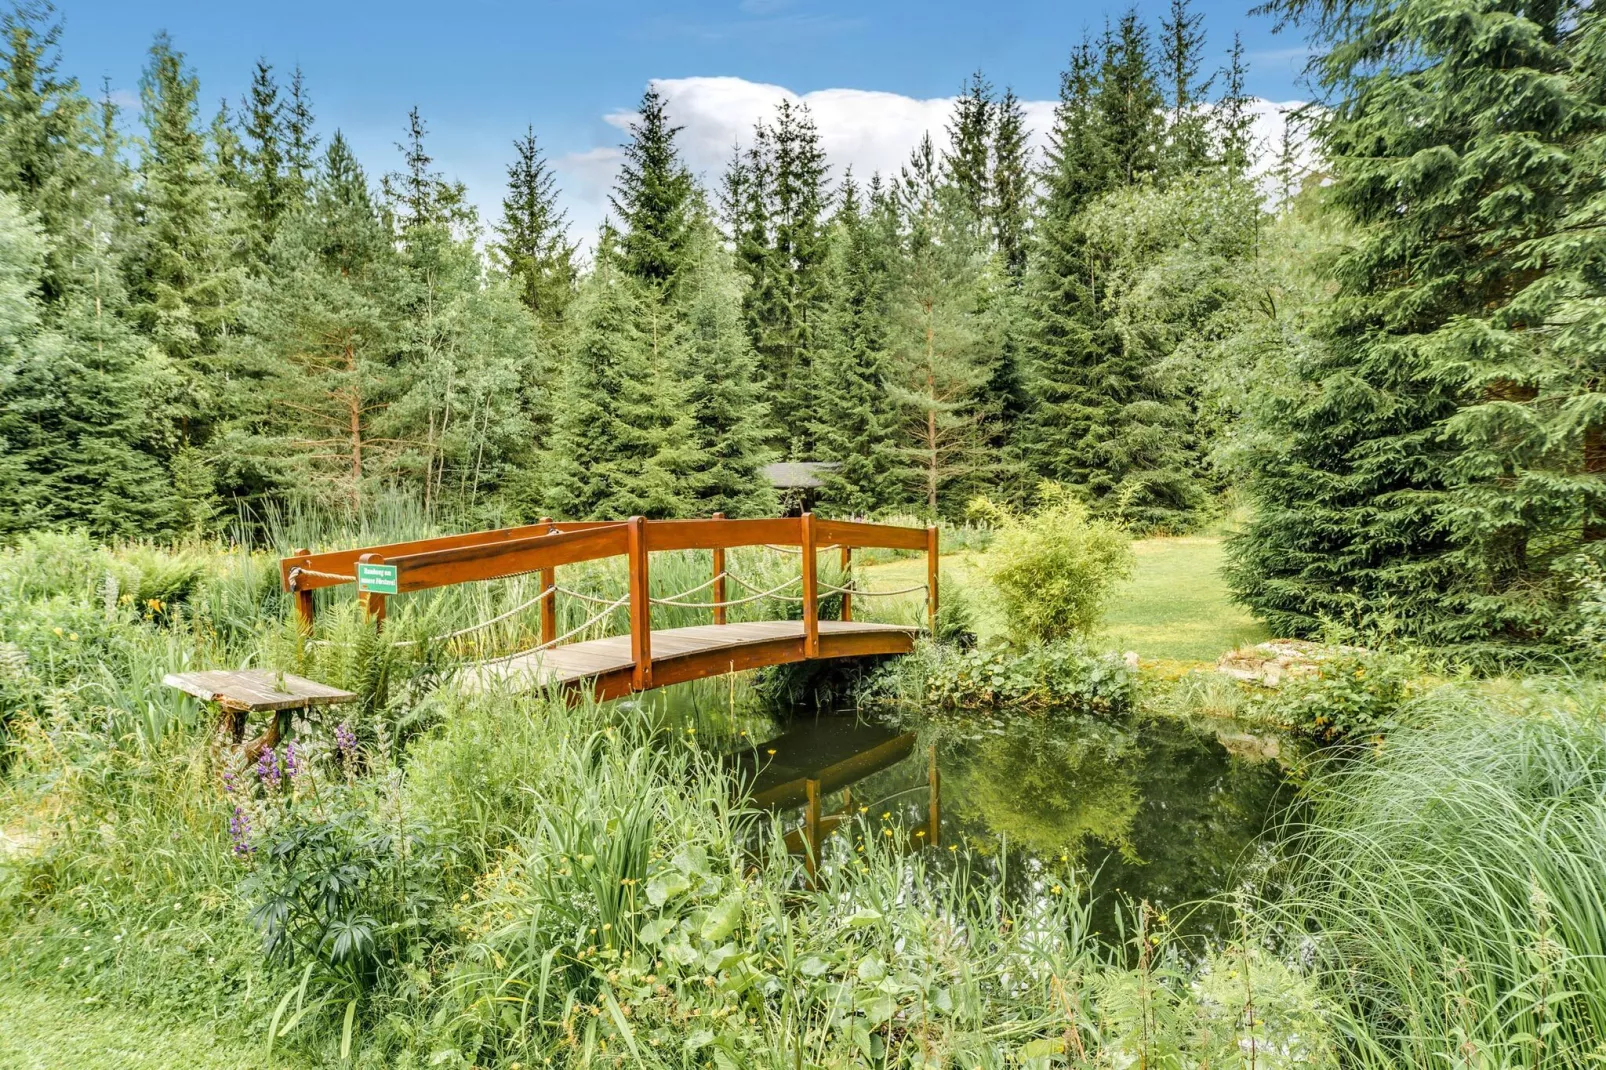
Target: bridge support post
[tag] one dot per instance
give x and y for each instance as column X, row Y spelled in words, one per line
column 640, row 606
column 304, row 606
column 548, row 578
column 373, row 603
column 719, row 579
column 847, row 582
column 931, row 580
column 811, row 589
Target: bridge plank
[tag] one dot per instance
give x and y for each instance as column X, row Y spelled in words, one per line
column 681, row 654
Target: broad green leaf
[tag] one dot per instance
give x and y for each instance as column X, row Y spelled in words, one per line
column 665, row 887
column 724, row 918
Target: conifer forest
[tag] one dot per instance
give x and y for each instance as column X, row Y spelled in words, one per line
column 1261, row 720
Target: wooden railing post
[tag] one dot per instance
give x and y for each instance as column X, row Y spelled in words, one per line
column 373, row 603
column 548, row 578
column 640, row 607
column 304, row 606
column 811, row 589
column 934, row 800
column 719, row 579
column 847, row 582
column 931, row 579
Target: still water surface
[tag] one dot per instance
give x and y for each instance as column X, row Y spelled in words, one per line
column 1162, row 810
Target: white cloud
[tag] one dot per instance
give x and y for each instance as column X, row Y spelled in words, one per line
column 865, row 129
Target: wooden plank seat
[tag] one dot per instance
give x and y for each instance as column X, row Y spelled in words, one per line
column 681, row 654
column 256, row 690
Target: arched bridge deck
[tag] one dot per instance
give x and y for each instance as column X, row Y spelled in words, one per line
column 647, row 657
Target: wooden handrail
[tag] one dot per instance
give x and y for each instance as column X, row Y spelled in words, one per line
column 544, row 546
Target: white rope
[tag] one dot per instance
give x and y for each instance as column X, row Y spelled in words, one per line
column 672, row 600
column 554, row 642
column 587, row 597
column 296, row 572
column 873, row 594
column 771, row 593
column 520, row 608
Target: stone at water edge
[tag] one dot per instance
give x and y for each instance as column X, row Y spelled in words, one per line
column 1270, row 663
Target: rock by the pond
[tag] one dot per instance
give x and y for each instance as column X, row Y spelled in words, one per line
column 1269, row 664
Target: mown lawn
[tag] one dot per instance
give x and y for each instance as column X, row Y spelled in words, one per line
column 1175, row 608
column 45, row 1029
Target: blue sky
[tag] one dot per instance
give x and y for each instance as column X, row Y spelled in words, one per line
column 480, row 70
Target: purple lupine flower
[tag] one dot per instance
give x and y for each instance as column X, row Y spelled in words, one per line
column 228, row 782
column 345, row 741
column 268, row 769
column 240, row 831
column 291, row 766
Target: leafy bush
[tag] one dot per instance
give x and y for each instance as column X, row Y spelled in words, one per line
column 1349, row 697
column 1054, row 569
column 1057, row 676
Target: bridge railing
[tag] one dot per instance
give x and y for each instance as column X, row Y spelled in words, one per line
column 546, row 546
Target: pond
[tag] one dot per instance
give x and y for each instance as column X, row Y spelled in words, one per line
column 1161, row 810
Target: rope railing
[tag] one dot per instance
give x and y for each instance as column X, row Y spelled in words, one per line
column 773, row 592
column 856, row 591
column 482, row 625
column 671, row 600
column 554, row 641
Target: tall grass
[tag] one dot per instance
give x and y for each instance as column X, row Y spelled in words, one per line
column 1453, row 887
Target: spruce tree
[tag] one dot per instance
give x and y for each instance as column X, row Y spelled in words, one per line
column 1187, row 136
column 1012, row 185
column 609, row 455
column 967, row 160
column 1060, row 304
column 1435, row 467
column 420, row 197
column 269, row 191
column 655, row 197
column 851, row 411
column 301, row 144
column 81, row 436
column 1129, row 101
column 729, row 419
column 782, row 246
column 533, row 244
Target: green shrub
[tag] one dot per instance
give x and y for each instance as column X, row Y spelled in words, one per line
column 1054, row 569
column 1350, row 697
column 1058, row 676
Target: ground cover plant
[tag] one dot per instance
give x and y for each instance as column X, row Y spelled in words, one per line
column 431, row 877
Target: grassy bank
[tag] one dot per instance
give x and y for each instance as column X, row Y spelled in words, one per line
column 1176, row 607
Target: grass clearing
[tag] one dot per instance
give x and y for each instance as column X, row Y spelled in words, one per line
column 43, row 1029
column 1175, row 608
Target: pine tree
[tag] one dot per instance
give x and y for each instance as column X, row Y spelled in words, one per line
column 315, row 373
column 938, row 363
column 534, row 245
column 1232, row 119
column 1129, row 101
column 655, row 197
column 729, row 420
column 1436, row 466
column 850, row 410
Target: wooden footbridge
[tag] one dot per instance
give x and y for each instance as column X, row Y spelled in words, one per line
column 646, row 657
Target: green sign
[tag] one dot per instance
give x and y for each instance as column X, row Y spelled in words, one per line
column 376, row 579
